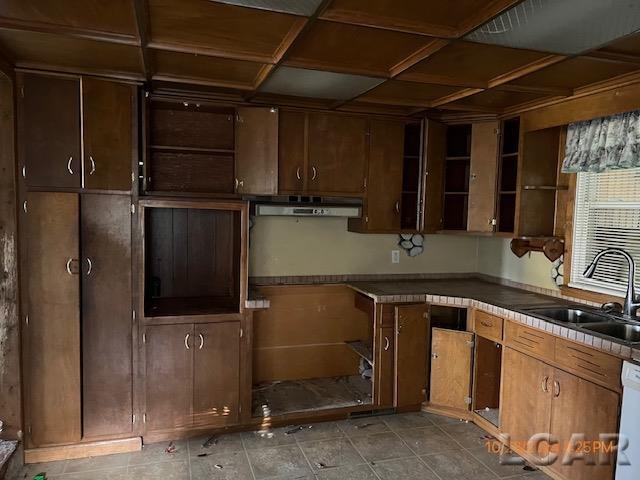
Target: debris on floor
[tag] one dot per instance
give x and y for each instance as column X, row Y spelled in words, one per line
column 213, row 440
column 171, row 449
column 218, row 466
column 297, row 429
column 40, row 476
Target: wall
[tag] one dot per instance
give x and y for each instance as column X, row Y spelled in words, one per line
column 496, row 259
column 323, row 246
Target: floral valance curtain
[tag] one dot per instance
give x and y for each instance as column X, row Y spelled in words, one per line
column 609, row 143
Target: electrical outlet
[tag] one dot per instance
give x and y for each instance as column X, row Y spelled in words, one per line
column 395, row 256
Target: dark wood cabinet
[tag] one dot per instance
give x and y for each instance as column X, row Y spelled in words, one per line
column 384, row 374
column 411, row 333
column 256, row 151
column 432, row 193
column 76, row 132
column 292, row 152
column 108, row 110
column 192, row 375
column 49, row 130
column 107, row 374
column 51, row 354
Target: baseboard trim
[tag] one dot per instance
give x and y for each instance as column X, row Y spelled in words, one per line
column 82, row 450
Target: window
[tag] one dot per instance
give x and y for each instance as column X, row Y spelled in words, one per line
column 607, row 214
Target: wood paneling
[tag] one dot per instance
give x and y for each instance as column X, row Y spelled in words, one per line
column 435, row 149
column 526, row 400
column 529, row 340
column 451, row 356
column 439, row 19
column 49, row 130
column 52, row 338
column 488, row 326
column 108, row 133
column 217, row 28
column 58, row 52
column 337, row 153
column 191, row 172
column 114, row 17
column 224, row 72
column 589, row 363
column 83, row 450
column 384, row 177
column 412, row 323
column 572, row 397
column 107, row 373
column 396, row 92
column 351, row 48
column 494, row 100
column 216, row 373
column 469, row 64
column 484, row 169
column 292, row 151
column 169, row 376
column 256, row 151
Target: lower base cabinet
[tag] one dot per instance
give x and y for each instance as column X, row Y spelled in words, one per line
column 192, row 375
column 578, row 415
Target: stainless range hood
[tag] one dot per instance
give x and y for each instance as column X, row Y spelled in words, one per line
column 295, row 206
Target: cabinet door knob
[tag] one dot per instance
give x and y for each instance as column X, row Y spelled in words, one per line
column 70, row 170
column 93, row 165
column 69, row 266
column 186, row 341
column 398, row 206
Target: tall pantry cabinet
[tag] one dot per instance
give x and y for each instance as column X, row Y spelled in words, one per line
column 77, row 157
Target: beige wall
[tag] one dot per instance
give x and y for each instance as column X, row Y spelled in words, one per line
column 323, row 246
column 495, row 258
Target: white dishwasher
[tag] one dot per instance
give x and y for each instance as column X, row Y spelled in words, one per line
column 630, row 424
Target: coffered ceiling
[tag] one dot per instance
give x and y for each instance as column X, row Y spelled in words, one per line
column 376, row 55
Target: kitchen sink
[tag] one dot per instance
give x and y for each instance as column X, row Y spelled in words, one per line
column 570, row 315
column 622, row 331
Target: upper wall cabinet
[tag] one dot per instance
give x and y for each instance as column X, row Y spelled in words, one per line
column 205, row 149
column 76, row 132
column 322, row 154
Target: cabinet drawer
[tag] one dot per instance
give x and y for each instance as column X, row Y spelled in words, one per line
column 588, row 363
column 488, row 326
column 529, row 340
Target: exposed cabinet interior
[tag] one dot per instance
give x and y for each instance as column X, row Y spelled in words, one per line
column 312, row 350
column 486, row 380
column 456, row 177
column 412, row 177
column 193, row 257
column 190, row 148
column 508, row 175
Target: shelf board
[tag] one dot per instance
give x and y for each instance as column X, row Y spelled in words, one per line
column 174, row 148
column 362, row 350
column 509, row 155
column 507, row 192
column 409, row 192
column 464, row 157
column 545, row 187
column 417, row 157
column 456, row 193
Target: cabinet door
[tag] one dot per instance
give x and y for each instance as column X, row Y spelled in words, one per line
column 49, row 130
column 412, row 322
column 52, row 354
column 525, row 407
column 256, row 151
column 337, row 154
column 435, row 146
column 384, row 185
column 216, row 374
column 106, row 314
column 292, row 152
column 582, row 407
column 383, row 366
column 107, row 111
column 450, row 384
column 169, row 376
column 482, row 184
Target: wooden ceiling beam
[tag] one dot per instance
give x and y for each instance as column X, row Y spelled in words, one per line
column 40, row 27
column 614, row 57
column 290, row 40
column 141, row 9
column 472, row 108
column 418, row 56
column 551, row 91
column 364, row 19
column 203, row 82
column 466, row 92
column 532, row 67
column 208, row 52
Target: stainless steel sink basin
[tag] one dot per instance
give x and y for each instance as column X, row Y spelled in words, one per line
column 622, row 331
column 570, row 315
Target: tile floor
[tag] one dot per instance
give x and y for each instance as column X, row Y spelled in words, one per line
column 393, row 447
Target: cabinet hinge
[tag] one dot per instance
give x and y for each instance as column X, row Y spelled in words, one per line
column 133, row 209
column 133, row 177
column 493, row 222
column 471, row 343
column 144, row 338
column 467, row 400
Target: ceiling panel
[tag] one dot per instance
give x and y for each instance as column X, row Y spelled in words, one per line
column 494, row 99
column 200, row 68
column 396, row 92
column 576, row 72
column 342, row 47
column 292, row 101
column 298, row 7
column 375, row 108
column 300, row 82
column 69, row 53
column 469, row 64
column 114, row 16
column 629, row 45
column 567, row 27
column 219, row 29
column 437, row 17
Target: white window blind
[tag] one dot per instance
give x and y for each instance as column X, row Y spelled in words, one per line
column 607, row 214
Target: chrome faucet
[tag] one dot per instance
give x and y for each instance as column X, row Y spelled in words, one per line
column 631, row 301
